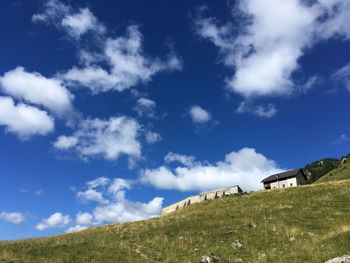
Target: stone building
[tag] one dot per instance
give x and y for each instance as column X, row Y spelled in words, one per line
column 204, row 196
column 287, row 179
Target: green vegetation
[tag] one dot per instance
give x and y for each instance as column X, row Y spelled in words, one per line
column 342, row 172
column 304, row 224
column 319, row 168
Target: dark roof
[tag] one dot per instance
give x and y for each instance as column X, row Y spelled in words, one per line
column 283, row 175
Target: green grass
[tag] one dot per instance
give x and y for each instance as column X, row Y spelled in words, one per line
column 342, row 172
column 304, row 224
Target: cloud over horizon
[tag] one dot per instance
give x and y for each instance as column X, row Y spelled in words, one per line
column 116, row 208
column 245, row 168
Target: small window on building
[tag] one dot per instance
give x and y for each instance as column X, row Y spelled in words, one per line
column 284, row 186
column 291, row 184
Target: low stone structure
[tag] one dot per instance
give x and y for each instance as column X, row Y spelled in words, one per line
column 204, row 196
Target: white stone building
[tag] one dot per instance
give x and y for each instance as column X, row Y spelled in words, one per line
column 287, row 179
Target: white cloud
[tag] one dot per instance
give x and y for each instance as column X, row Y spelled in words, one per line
column 265, row 111
column 65, row 142
column 186, row 160
column 245, row 168
column 343, row 76
column 145, row 107
column 56, row 220
column 100, row 181
column 343, row 138
column 12, row 217
column 117, row 207
column 272, row 36
column 76, row 228
column 37, row 89
column 24, row 120
column 128, row 65
column 199, row 115
column 53, row 10
column 119, row 62
column 91, row 195
column 102, row 189
column 107, row 138
column 152, row 137
column 79, row 23
column 84, row 219
column 124, row 211
column 117, row 185
column 64, row 17
column 338, row 20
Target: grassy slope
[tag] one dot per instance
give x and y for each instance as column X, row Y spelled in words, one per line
column 304, row 224
column 342, row 172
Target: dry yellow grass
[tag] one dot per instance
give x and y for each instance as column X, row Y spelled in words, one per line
column 304, row 224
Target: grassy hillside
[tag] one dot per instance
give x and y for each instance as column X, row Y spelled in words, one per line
column 318, row 169
column 304, row 224
column 342, row 172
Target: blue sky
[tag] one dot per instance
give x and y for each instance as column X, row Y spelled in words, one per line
column 109, row 112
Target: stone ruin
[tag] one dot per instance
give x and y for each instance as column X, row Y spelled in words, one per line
column 204, row 196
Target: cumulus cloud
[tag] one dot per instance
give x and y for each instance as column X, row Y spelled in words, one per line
column 199, row 115
column 106, row 138
column 76, row 228
column 100, row 181
column 56, row 220
column 128, row 65
column 91, row 195
column 343, row 76
column 338, row 20
column 23, row 120
column 152, row 137
column 84, row 219
column 75, row 23
column 65, row 142
column 265, row 111
column 119, row 184
column 117, row 208
column 79, row 23
column 264, row 52
column 188, row 161
column 145, row 107
column 124, row 211
column 245, row 167
column 12, row 217
column 111, row 63
column 37, row 89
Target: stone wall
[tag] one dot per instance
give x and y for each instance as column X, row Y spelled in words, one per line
column 210, row 195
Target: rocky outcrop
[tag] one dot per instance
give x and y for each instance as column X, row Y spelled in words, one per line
column 211, row 259
column 342, row 259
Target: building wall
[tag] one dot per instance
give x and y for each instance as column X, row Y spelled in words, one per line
column 286, row 183
column 210, row 195
column 299, row 179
